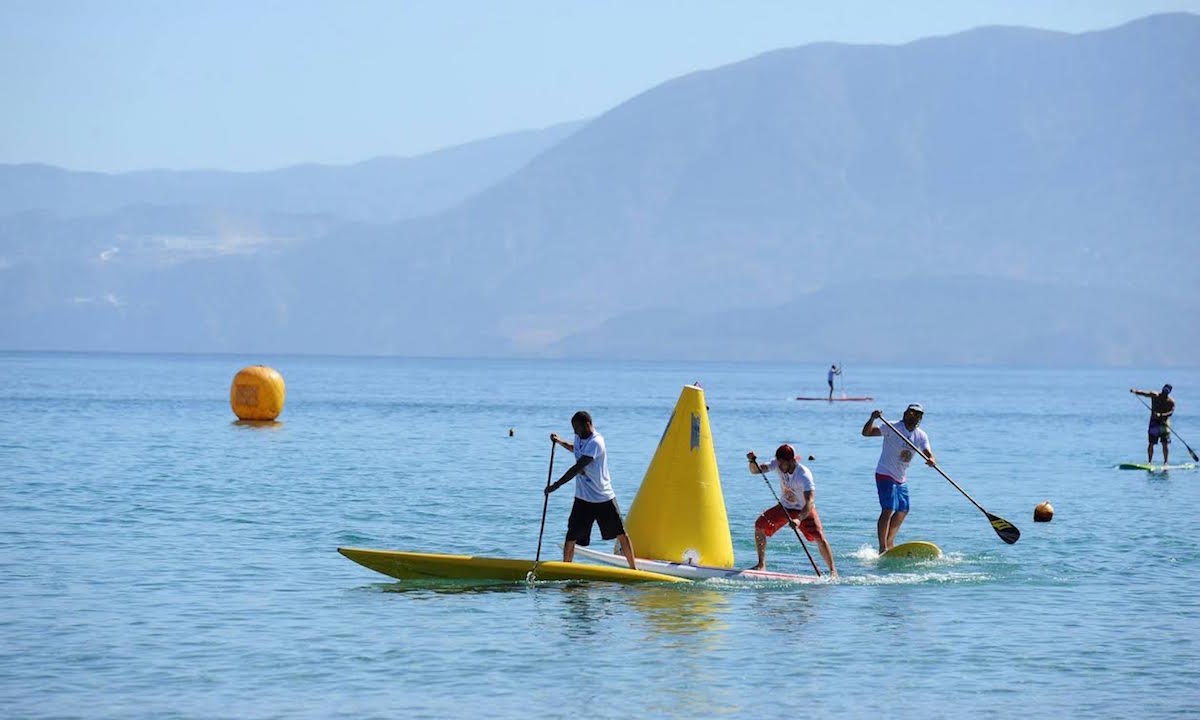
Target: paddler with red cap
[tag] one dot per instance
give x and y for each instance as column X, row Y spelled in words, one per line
column 797, row 506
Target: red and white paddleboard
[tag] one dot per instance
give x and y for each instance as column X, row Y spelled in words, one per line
column 695, row 572
column 841, row 399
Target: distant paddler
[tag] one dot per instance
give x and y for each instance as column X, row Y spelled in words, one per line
column 833, row 370
column 796, row 505
column 595, row 501
column 1162, row 407
column 891, row 472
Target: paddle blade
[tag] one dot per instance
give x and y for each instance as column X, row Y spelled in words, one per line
column 1006, row 530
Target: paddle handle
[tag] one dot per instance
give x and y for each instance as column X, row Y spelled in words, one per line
column 933, row 465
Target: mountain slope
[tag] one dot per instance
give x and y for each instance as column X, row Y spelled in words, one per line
column 378, row 190
column 1046, row 160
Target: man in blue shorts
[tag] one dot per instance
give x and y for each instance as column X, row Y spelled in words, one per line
column 1162, row 407
column 891, row 472
column 595, row 501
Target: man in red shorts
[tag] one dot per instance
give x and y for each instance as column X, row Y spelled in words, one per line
column 796, row 491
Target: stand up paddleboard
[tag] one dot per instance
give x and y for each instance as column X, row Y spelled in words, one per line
column 1155, row 468
column 912, row 551
column 427, row 566
column 841, row 399
column 694, row 572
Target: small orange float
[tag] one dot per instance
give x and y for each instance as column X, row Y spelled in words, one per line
column 257, row 393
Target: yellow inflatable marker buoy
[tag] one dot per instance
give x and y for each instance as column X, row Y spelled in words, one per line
column 257, row 393
column 678, row 514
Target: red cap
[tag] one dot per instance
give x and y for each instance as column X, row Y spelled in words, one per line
column 785, row 452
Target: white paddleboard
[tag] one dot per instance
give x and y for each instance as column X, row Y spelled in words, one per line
column 694, row 572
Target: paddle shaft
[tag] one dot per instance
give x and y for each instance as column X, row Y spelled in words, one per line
column 545, row 503
column 788, row 515
column 999, row 524
column 1189, row 447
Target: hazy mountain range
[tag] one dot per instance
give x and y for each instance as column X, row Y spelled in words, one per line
column 1003, row 195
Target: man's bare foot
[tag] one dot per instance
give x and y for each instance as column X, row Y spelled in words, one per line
column 760, row 566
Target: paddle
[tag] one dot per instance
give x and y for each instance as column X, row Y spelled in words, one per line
column 532, row 575
column 1189, row 447
column 787, row 514
column 1006, row 530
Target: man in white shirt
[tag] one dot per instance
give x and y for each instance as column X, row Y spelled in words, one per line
column 891, row 472
column 595, row 501
column 797, row 507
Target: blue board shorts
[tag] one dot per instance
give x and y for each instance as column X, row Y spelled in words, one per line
column 1159, row 433
column 892, row 495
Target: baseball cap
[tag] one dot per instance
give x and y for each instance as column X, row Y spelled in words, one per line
column 915, row 407
column 1167, row 388
column 785, row 452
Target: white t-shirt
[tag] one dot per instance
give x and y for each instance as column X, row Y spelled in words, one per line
column 592, row 482
column 792, row 487
column 896, row 454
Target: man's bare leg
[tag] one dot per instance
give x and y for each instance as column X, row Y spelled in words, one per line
column 627, row 549
column 881, row 528
column 894, row 527
column 760, row 544
column 827, row 553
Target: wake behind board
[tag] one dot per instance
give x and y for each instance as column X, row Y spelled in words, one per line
column 426, row 566
column 912, row 551
column 841, row 399
column 694, row 572
column 1148, row 467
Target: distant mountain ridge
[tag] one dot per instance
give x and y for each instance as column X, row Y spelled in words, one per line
column 381, row 189
column 1058, row 170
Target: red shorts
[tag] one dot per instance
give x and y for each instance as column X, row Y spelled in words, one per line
column 771, row 520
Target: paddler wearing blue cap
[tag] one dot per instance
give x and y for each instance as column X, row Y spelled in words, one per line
column 891, row 472
column 1162, row 407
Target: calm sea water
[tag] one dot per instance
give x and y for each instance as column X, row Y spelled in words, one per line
column 157, row 560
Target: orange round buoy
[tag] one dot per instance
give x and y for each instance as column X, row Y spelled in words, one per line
column 257, row 393
column 1043, row 512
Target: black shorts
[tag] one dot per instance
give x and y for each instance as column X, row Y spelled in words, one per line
column 1158, row 433
column 605, row 514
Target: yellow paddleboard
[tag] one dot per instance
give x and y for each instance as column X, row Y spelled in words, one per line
column 916, row 550
column 415, row 566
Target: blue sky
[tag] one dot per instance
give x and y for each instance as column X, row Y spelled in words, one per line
column 117, row 86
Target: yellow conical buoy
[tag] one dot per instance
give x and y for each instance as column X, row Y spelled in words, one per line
column 678, row 513
column 257, row 393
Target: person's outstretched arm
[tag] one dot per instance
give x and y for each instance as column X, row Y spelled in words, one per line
column 755, row 468
column 571, row 472
column 554, row 438
column 869, row 430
